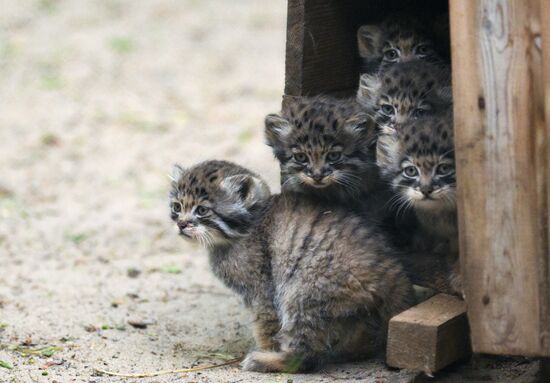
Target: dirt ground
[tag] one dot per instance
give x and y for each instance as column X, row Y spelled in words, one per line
column 97, row 99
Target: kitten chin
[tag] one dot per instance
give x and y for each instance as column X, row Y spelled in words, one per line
column 439, row 200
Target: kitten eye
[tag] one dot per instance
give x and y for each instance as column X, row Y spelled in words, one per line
column 444, row 169
column 201, row 210
column 391, row 54
column 387, row 109
column 300, row 157
column 334, row 156
column 176, row 207
column 419, row 113
column 410, row 171
column 422, row 50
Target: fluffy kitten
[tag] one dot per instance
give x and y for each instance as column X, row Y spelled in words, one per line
column 404, row 92
column 325, row 148
column 417, row 160
column 393, row 41
column 322, row 283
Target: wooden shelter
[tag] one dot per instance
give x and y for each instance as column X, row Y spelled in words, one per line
column 501, row 89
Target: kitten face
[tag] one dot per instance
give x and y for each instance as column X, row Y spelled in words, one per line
column 396, row 41
column 417, row 159
column 215, row 201
column 405, row 92
column 322, row 144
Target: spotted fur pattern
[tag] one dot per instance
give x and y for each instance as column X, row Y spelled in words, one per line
column 321, row 282
column 417, row 160
column 325, row 148
column 393, row 41
column 405, row 92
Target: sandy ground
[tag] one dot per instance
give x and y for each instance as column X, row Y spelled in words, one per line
column 97, row 100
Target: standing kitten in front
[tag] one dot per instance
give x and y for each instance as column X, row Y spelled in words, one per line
column 321, row 282
column 325, row 148
column 417, row 159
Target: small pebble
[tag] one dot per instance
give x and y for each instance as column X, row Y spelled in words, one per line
column 140, row 323
column 133, row 272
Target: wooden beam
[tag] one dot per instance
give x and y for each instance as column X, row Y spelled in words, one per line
column 502, row 171
column 321, row 54
column 542, row 42
column 429, row 336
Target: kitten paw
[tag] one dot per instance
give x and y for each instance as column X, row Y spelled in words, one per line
column 455, row 282
column 259, row 361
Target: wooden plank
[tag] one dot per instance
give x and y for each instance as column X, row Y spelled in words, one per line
column 502, row 171
column 542, row 42
column 429, row 336
column 321, row 48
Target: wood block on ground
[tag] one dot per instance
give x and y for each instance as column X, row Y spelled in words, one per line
column 429, row 336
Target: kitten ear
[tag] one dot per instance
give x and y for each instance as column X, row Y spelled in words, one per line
column 362, row 128
column 369, row 41
column 177, row 172
column 247, row 188
column 387, row 149
column 369, row 84
column 277, row 128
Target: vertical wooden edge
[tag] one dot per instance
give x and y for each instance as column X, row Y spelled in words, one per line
column 294, row 60
column 465, row 76
column 542, row 42
column 502, row 171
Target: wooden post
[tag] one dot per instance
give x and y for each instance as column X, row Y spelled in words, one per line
column 502, row 171
column 429, row 336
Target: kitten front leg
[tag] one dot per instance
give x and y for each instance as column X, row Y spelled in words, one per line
column 266, row 326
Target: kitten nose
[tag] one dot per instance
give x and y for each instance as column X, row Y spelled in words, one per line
column 426, row 189
column 184, row 224
column 317, row 177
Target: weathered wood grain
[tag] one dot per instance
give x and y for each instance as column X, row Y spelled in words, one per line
column 429, row 336
column 321, row 52
column 542, row 42
column 502, row 171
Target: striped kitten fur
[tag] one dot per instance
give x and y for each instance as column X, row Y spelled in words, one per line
column 320, row 281
column 417, row 160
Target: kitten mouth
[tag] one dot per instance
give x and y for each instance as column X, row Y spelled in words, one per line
column 185, row 234
column 429, row 202
column 318, row 184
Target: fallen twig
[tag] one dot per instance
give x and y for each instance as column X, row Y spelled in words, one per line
column 166, row 372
